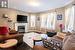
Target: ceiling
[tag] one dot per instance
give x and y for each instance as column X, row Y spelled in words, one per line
column 37, row 5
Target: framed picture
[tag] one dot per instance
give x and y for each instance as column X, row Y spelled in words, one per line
column 3, row 3
column 59, row 17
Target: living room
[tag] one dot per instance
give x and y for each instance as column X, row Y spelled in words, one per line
column 35, row 20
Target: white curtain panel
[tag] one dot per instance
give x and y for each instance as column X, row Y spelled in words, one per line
column 51, row 20
column 69, row 19
column 43, row 18
column 48, row 20
column 32, row 20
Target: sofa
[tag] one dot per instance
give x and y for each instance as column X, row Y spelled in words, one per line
column 21, row 45
column 69, row 42
column 5, row 34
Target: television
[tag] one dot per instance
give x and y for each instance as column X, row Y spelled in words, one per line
column 22, row 18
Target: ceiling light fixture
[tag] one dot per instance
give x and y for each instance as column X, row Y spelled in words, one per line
column 34, row 3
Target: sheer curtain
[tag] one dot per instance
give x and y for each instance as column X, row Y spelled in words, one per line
column 32, row 20
column 43, row 18
column 51, row 20
column 69, row 19
column 48, row 20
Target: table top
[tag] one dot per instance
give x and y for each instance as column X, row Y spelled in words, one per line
column 30, row 37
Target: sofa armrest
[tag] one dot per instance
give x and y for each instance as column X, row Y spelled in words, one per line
column 9, row 43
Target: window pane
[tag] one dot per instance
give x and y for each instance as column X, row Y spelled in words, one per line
column 69, row 19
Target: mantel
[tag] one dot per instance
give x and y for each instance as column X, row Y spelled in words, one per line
column 21, row 24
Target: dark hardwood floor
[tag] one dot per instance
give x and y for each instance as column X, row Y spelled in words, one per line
column 23, row 46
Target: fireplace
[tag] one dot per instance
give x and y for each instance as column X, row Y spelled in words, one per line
column 21, row 27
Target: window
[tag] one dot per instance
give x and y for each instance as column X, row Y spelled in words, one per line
column 51, row 20
column 4, row 3
column 69, row 19
column 32, row 20
column 43, row 18
column 48, row 20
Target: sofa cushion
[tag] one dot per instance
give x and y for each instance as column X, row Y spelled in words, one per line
column 61, row 35
column 3, row 30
